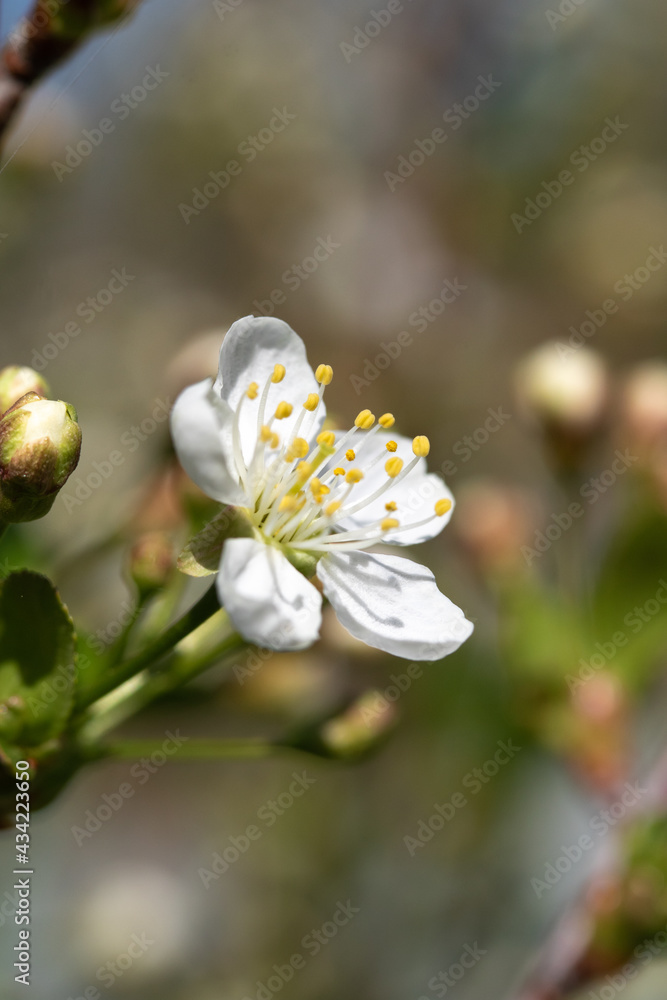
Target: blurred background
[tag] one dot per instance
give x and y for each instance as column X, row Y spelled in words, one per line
column 486, row 177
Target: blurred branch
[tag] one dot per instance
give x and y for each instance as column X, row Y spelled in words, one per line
column 50, row 32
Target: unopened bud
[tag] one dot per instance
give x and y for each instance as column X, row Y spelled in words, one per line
column 361, row 728
column 644, row 407
column 151, row 562
column 16, row 381
column 40, row 443
column 568, row 388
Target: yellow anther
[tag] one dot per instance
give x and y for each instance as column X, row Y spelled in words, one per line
column 331, row 508
column 283, row 410
column 387, row 420
column 338, row 471
column 278, row 373
column 354, row 476
column 265, row 433
column 421, row 446
column 304, row 470
column 288, row 503
column 324, row 374
column 365, row 420
column 311, row 402
column 350, row 455
column 315, row 484
column 391, row 505
column 389, row 523
column 391, row 446
column 326, row 439
column 299, row 447
column 393, row 466
column 442, row 506
column 252, row 390
column 275, row 441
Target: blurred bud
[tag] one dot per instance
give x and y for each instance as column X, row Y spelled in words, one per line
column 40, row 443
column 16, row 381
column 494, row 522
column 361, row 727
column 196, row 360
column 644, row 407
column 567, row 386
column 565, row 391
column 151, row 562
column 355, row 732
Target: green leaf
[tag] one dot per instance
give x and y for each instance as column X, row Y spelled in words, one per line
column 201, row 556
column 37, row 660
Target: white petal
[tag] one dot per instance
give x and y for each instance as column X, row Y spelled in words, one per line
column 415, row 495
column 269, row 602
column 251, row 349
column 196, row 422
column 393, row 604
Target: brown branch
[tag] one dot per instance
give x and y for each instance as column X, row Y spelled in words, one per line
column 49, row 33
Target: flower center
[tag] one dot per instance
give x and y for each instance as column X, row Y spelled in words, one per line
column 300, row 485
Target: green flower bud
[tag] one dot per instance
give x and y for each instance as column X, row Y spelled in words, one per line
column 40, row 443
column 152, row 562
column 16, row 381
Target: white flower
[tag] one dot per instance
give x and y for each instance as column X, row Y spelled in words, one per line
column 314, row 499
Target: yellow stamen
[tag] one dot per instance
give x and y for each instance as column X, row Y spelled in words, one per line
column 278, row 373
column 324, row 374
column 365, row 420
column 288, row 503
column 275, row 440
column 331, row 509
column 393, row 466
column 387, row 420
column 338, row 471
column 283, row 410
column 389, row 523
column 311, row 402
column 354, row 476
column 299, row 447
column 442, row 506
column 391, row 446
column 265, row 433
column 252, row 390
column 421, row 446
column 326, row 439
column 391, row 505
column 304, row 470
